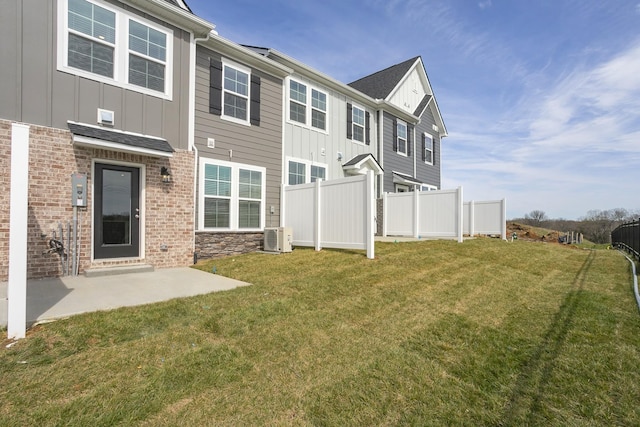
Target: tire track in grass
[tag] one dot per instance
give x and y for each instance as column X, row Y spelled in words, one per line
column 524, row 405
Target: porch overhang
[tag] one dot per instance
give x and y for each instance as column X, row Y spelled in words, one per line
column 400, row 178
column 121, row 141
column 361, row 164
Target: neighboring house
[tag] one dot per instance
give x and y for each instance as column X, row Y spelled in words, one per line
column 103, row 90
column 411, row 138
column 329, row 128
column 238, row 136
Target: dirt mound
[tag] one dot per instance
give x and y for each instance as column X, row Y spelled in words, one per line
column 525, row 232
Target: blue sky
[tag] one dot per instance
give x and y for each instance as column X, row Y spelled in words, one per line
column 541, row 98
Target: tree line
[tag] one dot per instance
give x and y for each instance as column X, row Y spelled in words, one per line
column 596, row 226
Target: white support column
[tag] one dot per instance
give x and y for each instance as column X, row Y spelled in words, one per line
column 371, row 213
column 18, row 221
column 317, row 235
column 460, row 217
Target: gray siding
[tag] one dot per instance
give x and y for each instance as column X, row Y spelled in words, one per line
column 429, row 174
column 253, row 145
column 34, row 91
column 392, row 160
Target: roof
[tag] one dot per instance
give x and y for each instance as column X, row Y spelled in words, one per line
column 363, row 162
column 119, row 140
column 423, row 104
column 380, row 84
column 401, row 178
column 180, row 3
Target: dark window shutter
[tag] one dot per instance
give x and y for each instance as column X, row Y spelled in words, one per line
column 349, row 121
column 215, row 87
column 395, row 135
column 367, row 130
column 409, row 139
column 255, row 100
column 424, row 148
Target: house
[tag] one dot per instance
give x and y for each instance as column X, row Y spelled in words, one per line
column 238, row 141
column 329, row 127
column 411, row 126
column 100, row 92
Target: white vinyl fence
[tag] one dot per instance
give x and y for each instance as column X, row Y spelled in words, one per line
column 486, row 217
column 332, row 214
column 435, row 214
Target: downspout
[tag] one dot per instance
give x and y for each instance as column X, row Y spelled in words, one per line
column 191, row 132
column 380, row 151
column 635, row 279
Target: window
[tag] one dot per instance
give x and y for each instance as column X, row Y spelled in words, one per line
column 303, row 171
column 217, row 196
column 297, row 173
column 234, row 92
column 250, row 195
column 110, row 45
column 427, row 187
column 318, row 109
column 298, row 102
column 302, row 111
column 147, row 56
column 317, row 172
column 231, row 196
column 401, row 140
column 428, row 148
column 358, row 124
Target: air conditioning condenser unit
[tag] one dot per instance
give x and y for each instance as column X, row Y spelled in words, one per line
column 278, row 239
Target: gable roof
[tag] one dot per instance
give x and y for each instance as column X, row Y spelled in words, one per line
column 383, row 84
column 380, row 84
column 181, row 4
column 362, row 163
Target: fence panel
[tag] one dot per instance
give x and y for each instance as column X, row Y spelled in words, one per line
column 430, row 214
column 627, row 236
column 485, row 217
column 332, row 214
column 439, row 213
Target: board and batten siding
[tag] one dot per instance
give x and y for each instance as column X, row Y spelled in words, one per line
column 307, row 143
column 34, row 91
column 252, row 145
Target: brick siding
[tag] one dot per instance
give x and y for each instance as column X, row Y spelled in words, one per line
column 168, row 210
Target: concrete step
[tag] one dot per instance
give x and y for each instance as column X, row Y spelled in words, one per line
column 119, row 269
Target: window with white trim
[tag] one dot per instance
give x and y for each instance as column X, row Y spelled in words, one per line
column 358, row 123
column 235, row 92
column 307, row 105
column 304, row 171
column 402, row 137
column 427, row 187
column 427, row 142
column 231, row 195
column 103, row 43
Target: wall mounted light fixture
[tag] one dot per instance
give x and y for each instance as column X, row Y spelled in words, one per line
column 166, row 175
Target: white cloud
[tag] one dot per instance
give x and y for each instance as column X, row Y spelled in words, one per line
column 484, row 4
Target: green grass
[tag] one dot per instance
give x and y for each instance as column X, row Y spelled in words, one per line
column 429, row 333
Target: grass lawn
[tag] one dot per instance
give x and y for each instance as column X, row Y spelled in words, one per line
column 429, row 333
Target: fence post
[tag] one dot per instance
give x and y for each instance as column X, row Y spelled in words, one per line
column 416, row 214
column 503, row 220
column 384, row 214
column 370, row 213
column 317, row 234
column 472, row 218
column 459, row 214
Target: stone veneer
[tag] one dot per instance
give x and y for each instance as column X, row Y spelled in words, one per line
column 220, row 244
column 168, row 208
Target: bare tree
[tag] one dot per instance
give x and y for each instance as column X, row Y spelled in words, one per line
column 535, row 217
